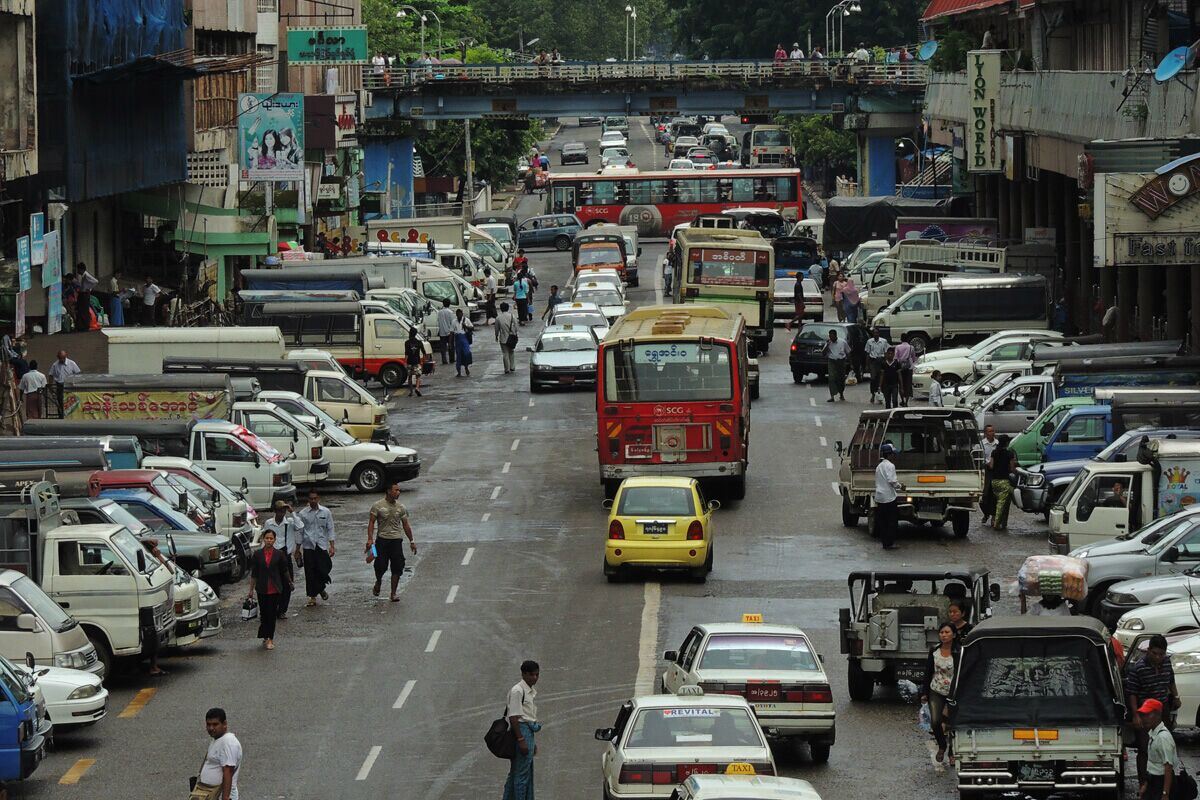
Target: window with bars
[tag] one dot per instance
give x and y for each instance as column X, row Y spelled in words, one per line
column 265, row 75
column 268, row 6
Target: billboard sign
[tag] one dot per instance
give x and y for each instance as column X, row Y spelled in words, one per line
column 1127, row 234
column 24, row 264
column 271, row 136
column 52, row 269
column 983, row 92
column 328, row 46
column 37, row 241
column 142, row 405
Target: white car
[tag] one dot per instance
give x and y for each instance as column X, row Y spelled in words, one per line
column 73, row 697
column 604, row 277
column 612, row 303
column 612, row 139
column 744, row 787
column 578, row 313
column 959, row 364
column 658, row 741
column 1169, row 617
column 681, row 164
column 616, row 156
column 1184, row 650
column 775, row 667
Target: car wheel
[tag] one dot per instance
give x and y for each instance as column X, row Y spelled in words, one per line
column 103, row 653
column 610, row 488
column 393, row 376
column 562, row 242
column 950, row 381
column 919, row 341
column 861, row 684
column 962, row 523
column 368, row 477
column 849, row 516
column 820, row 753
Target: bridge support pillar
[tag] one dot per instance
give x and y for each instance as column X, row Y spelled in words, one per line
column 388, row 168
column 876, row 164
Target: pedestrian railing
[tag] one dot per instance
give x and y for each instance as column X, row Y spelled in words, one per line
column 913, row 73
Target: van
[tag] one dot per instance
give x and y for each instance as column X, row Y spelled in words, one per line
column 24, row 728
column 141, row 350
column 633, row 249
column 812, row 228
column 38, row 625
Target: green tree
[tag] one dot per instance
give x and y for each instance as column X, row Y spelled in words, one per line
column 581, row 31
column 401, row 36
column 495, row 149
column 819, row 145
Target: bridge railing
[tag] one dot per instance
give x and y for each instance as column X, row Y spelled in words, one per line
column 913, row 73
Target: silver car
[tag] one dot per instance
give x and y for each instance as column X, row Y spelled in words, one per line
column 564, row 355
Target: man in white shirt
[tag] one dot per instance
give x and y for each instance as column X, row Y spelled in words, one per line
column 521, row 712
column 150, row 293
column 445, row 329
column 861, row 55
column 318, row 545
column 63, row 368
column 31, row 385
column 886, row 485
column 668, row 277
column 837, row 351
column 987, row 503
column 224, row 758
column 935, row 388
column 489, row 293
column 797, row 54
column 876, row 349
column 287, row 528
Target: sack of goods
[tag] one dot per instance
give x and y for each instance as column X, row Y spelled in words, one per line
column 1053, row 575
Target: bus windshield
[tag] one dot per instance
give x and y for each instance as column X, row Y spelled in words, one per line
column 592, row 254
column 729, row 266
column 650, row 372
column 771, row 138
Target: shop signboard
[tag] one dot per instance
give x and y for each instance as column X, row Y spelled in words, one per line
column 1141, row 221
column 24, row 264
column 328, row 46
column 19, row 316
column 52, row 269
column 983, row 91
column 54, row 308
column 271, row 136
column 37, row 238
column 141, row 405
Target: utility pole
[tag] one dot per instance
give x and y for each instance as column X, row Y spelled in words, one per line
column 468, row 195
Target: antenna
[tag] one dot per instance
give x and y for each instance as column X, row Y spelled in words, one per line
column 1175, row 62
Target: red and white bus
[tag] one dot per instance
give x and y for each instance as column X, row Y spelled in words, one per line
column 658, row 201
column 673, row 397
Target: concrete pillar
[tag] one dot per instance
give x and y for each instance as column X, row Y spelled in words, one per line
column 1149, row 286
column 1127, row 300
column 1073, row 271
column 1177, row 309
column 1015, row 234
column 1002, row 209
column 877, row 156
column 981, row 188
column 1027, row 207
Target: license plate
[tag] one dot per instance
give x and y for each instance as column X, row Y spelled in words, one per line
column 637, row 451
column 654, row 527
column 910, row 671
column 566, row 378
column 685, row 771
column 1036, row 772
column 766, row 694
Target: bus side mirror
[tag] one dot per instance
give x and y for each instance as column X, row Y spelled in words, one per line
column 994, row 591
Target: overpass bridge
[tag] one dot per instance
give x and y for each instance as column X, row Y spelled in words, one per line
column 508, row 91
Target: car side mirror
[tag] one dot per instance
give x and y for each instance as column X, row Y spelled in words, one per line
column 345, row 416
column 713, row 505
column 671, row 656
column 30, row 661
column 1171, row 554
column 605, row 734
column 994, row 591
column 141, row 560
column 216, row 498
column 295, row 435
column 1047, row 428
column 838, row 447
column 257, row 461
column 607, row 503
column 26, row 622
column 245, row 485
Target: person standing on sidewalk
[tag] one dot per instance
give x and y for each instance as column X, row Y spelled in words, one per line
column 445, row 329
column 286, row 528
column 414, row 353
column 876, row 349
column 521, row 711
column 935, row 389
column 521, row 295
column 32, row 386
column 506, row 335
column 489, row 294
column 838, row 354
column 271, row 579
column 223, row 761
column 886, row 486
column 907, row 358
column 389, row 520
column 463, row 328
column 317, row 540
column 150, row 293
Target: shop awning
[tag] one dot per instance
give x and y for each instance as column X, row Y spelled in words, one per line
column 945, row 8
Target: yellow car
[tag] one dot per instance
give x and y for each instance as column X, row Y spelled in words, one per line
column 659, row 523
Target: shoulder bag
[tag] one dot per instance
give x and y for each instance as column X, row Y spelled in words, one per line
column 1183, row 786
column 500, row 738
column 202, row 791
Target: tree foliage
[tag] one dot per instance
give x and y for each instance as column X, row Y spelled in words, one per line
column 401, row 36
column 818, row 143
column 495, row 149
column 581, row 31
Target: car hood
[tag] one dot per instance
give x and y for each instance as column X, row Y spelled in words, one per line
column 1167, row 614
column 376, row 450
column 1057, row 469
column 942, row 355
column 57, row 683
column 1148, row 590
column 565, row 358
column 1108, row 548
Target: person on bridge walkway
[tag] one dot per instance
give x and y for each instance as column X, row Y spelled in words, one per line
column 389, row 518
column 506, row 335
column 317, row 539
column 521, row 712
column 837, row 352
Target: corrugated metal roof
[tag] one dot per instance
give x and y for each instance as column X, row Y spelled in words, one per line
column 946, row 8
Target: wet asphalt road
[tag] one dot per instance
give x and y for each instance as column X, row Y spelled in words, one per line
column 369, row 699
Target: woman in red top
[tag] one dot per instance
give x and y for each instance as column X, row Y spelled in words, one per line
column 271, row 575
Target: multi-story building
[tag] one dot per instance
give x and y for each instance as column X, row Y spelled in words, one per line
column 1079, row 129
column 18, row 91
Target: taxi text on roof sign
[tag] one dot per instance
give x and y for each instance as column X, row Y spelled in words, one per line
column 748, row 618
column 740, row 768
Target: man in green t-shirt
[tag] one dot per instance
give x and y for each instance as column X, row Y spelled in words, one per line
column 387, row 526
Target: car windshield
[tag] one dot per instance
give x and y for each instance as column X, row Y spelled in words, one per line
column 42, row 605
column 599, row 254
column 936, row 443
column 613, row 152
column 693, row 726
column 601, row 297
column 573, row 148
column 670, row 501
column 784, row 288
column 501, row 233
column 565, row 342
column 758, row 652
column 119, row 516
column 257, row 443
column 1163, row 538
column 668, row 370
column 193, row 486
column 591, row 319
column 129, row 547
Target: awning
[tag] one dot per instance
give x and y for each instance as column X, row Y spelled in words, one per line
column 182, row 64
column 946, row 8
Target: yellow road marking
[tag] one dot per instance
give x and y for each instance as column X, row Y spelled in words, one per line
column 76, row 772
column 136, row 705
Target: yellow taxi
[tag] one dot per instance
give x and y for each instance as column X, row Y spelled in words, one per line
column 661, row 523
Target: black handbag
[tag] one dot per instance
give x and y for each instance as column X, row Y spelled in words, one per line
column 500, row 738
column 1183, row 786
column 511, row 341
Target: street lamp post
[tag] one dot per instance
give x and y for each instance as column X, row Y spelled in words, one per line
column 834, row 28
column 633, row 54
column 851, row 7
column 403, row 12
column 439, row 23
column 628, row 13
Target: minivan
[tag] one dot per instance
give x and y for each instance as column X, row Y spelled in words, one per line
column 549, row 230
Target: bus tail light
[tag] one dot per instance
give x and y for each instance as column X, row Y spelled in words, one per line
column 616, row 530
column 695, row 531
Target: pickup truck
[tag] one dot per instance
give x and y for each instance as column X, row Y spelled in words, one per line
column 1087, row 429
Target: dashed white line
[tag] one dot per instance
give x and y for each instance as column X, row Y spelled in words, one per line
column 525, row 418
column 507, row 466
column 453, row 593
column 823, row 442
column 486, row 516
column 433, row 640
column 404, row 693
column 531, row 402
column 516, row 443
column 365, row 769
column 496, row 492
column 812, row 401
column 829, row 463
column 836, row 489
column 471, row 550
column 648, row 640
column 818, row 421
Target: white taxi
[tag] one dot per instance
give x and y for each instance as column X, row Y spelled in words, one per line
column 732, row 786
column 660, row 741
column 775, row 667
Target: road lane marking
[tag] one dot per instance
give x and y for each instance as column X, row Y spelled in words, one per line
column 829, row 463
column 453, row 593
column 818, row 420
column 433, row 640
column 525, row 418
column 516, row 443
column 365, row 769
column 404, row 693
column 471, row 550
column 812, row 401
column 836, row 489
column 823, row 442
column 496, row 492
column 76, row 772
column 136, row 705
column 531, row 402
column 486, row 516
column 507, row 466
column 648, row 641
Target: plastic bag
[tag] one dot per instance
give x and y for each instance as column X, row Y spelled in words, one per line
column 1055, row 575
column 249, row 609
column 924, row 723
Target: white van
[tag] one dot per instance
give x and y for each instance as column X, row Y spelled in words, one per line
column 33, row 623
column 813, row 228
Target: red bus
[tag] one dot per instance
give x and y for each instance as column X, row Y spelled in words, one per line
column 658, row 201
column 673, row 397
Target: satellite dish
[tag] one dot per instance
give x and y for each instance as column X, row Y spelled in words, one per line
column 1176, row 61
column 927, row 50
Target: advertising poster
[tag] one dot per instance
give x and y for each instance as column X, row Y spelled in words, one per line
column 54, row 308
column 37, row 242
column 52, row 268
column 19, row 316
column 181, row 405
column 271, row 136
column 24, row 264
column 1179, row 488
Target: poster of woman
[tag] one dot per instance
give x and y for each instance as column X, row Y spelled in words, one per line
column 271, row 136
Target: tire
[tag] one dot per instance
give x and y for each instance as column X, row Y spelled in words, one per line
column 849, row 517
column 1092, row 604
column 610, row 488
column 700, row 574
column 820, row 752
column 562, row 243
column 754, row 391
column 393, row 376
column 860, row 684
column 920, row 341
column 737, row 487
column 103, row 652
column 950, row 381
column 961, row 521
column 797, row 376
column 613, row 574
column 368, row 477
column 872, row 531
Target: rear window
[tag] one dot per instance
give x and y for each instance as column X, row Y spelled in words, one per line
column 694, row 726
column 817, row 333
column 781, row 653
column 934, row 444
column 664, row 500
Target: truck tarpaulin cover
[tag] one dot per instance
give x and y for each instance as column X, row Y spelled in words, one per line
column 307, row 279
column 850, row 221
column 1034, row 676
column 973, row 301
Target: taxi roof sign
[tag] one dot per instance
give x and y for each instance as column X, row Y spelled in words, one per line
column 740, row 768
column 752, row 618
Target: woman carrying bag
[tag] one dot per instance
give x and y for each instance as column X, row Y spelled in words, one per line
column 463, row 333
column 939, row 672
column 271, row 575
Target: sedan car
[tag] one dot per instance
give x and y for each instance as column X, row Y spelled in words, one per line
column 740, row 784
column 586, row 121
column 808, row 347
column 73, row 697
column 563, row 355
column 681, row 164
column 575, row 313
column 618, row 156
column 573, row 153
column 775, row 667
column 659, row 741
column 611, row 302
column 1165, row 618
column 783, row 305
column 613, row 139
column 679, row 147
column 659, row 522
column 601, row 275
